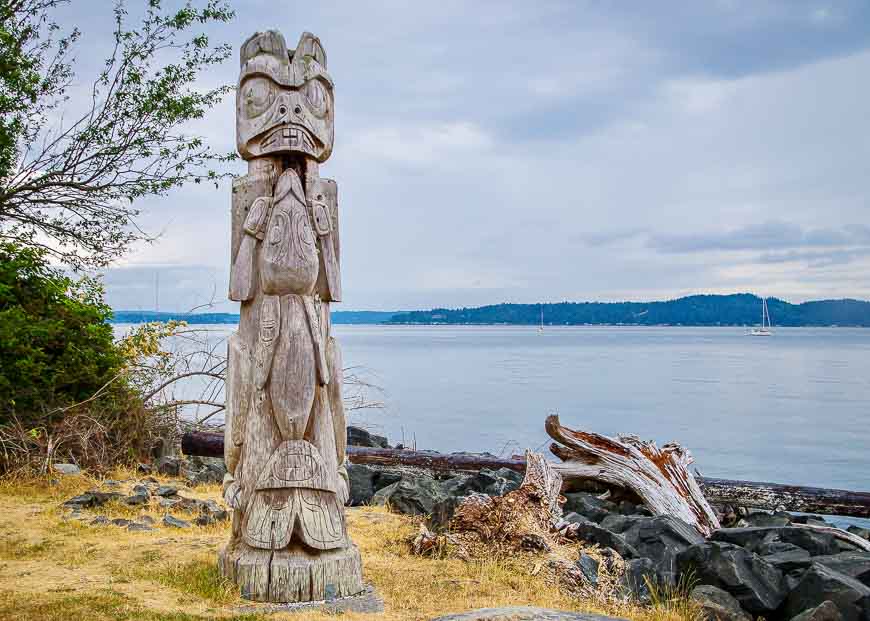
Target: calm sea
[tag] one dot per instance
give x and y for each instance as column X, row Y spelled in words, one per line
column 792, row 408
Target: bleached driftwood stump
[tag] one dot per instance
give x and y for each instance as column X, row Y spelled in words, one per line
column 285, row 426
column 660, row 476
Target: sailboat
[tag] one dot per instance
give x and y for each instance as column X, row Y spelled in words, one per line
column 765, row 329
column 541, row 328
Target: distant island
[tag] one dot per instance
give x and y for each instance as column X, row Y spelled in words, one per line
column 741, row 309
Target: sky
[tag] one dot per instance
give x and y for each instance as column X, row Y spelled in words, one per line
column 491, row 152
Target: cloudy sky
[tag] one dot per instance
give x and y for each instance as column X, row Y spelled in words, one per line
column 526, row 151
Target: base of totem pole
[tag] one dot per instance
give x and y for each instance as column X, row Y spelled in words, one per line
column 295, row 574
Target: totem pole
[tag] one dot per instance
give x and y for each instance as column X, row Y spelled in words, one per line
column 285, row 426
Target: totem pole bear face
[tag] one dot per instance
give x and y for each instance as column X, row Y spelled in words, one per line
column 284, row 98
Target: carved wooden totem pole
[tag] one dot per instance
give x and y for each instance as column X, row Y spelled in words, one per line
column 285, row 426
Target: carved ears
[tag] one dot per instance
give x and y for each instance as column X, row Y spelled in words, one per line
column 270, row 42
column 310, row 46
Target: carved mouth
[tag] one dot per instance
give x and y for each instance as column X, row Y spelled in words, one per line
column 293, row 137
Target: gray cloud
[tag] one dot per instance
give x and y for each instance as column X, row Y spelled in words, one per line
column 490, row 151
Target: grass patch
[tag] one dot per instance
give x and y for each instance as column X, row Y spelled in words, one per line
column 18, row 548
column 199, row 577
column 101, row 606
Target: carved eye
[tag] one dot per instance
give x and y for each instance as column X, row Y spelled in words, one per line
column 316, row 96
column 258, row 93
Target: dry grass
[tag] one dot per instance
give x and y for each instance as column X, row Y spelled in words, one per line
column 54, row 569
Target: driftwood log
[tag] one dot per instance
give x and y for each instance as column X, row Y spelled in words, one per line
column 753, row 494
column 659, row 476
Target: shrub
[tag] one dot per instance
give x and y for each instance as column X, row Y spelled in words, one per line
column 63, row 390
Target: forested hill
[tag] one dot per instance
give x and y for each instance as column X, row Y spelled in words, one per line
column 698, row 310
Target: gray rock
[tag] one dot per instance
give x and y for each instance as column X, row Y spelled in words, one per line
column 174, row 522
column 500, row 481
column 576, row 518
column 385, row 478
column 588, row 505
column 121, row 522
column 100, row 520
column 92, row 498
column 588, row 567
column 137, row 499
column 813, row 541
column 66, row 468
column 864, row 533
column 168, row 503
column 165, row 491
column 411, row 495
column 362, row 484
column 853, row 564
column 639, row 574
column 658, row 538
column 784, row 556
column 204, row 471
column 826, row 611
column 143, row 468
column 169, row 465
column 765, row 519
column 523, row 614
column 356, row 436
column 145, row 519
column 141, row 490
column 593, row 533
column 137, row 527
column 718, row 605
column 820, row 583
column 758, row 586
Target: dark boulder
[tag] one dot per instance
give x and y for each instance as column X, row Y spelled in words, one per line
column 588, row 566
column 758, row 586
column 718, row 605
column 411, row 495
column 784, row 556
column 820, row 583
column 826, row 611
column 853, row 564
column 765, row 519
column 501, row 481
column 658, row 538
column 362, row 484
column 588, row 505
column 92, row 498
column 593, row 533
column 639, row 574
column 385, row 478
column 864, row 533
column 356, row 436
column 174, row 522
column 169, row 465
column 165, row 491
column 813, row 541
column 204, row 471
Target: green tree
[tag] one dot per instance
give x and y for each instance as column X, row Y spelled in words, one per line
column 71, row 186
column 56, row 347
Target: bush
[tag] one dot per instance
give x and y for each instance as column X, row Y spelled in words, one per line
column 63, row 390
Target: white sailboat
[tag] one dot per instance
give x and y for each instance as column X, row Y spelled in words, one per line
column 766, row 328
column 541, row 328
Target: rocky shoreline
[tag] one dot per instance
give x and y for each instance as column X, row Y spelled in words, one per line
column 760, row 564
column 774, row 565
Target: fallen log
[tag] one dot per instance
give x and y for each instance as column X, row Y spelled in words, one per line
column 659, row 476
column 752, row 494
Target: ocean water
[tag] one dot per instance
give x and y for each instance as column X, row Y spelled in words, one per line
column 792, row 408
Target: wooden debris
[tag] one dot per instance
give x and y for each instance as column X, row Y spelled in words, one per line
column 660, row 477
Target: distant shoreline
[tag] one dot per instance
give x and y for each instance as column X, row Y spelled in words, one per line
column 736, row 310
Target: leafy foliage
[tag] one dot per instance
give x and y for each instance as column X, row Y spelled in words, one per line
column 698, row 310
column 56, row 347
column 65, row 388
column 71, row 187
